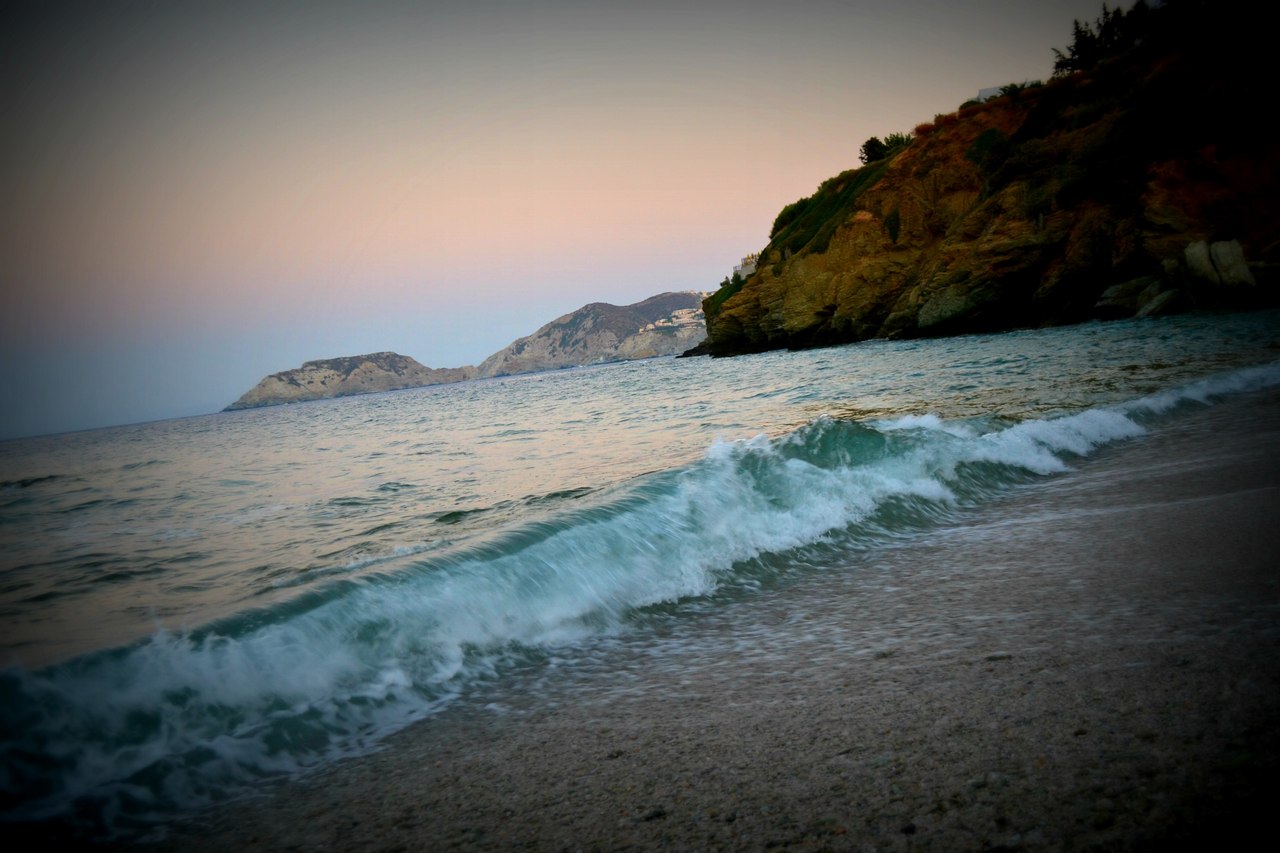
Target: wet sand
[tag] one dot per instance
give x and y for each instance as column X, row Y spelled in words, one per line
column 1090, row 662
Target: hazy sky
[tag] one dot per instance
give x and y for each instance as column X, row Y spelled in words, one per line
column 195, row 195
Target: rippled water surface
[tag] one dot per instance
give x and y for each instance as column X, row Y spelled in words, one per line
column 192, row 604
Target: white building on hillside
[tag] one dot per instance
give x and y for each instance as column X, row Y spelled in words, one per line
column 748, row 265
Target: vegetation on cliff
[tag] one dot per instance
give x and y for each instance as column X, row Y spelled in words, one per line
column 1137, row 179
column 876, row 148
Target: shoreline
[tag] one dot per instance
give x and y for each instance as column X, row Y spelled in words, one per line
column 1091, row 661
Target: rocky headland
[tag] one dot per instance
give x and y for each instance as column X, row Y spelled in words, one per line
column 344, row 377
column 666, row 324
column 1138, row 181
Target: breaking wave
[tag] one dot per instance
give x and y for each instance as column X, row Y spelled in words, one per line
column 116, row 741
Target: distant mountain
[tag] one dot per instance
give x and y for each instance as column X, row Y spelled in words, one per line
column 343, row 377
column 666, row 324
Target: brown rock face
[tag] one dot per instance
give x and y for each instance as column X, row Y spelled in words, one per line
column 344, row 377
column 1025, row 210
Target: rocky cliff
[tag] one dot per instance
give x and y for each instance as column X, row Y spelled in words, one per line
column 1140, row 183
column 666, row 324
column 342, row 377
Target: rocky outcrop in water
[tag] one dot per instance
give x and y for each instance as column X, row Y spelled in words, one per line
column 1138, row 186
column 343, row 377
column 666, row 324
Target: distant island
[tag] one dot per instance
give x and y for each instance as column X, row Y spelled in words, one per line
column 1140, row 180
column 344, row 377
column 666, row 324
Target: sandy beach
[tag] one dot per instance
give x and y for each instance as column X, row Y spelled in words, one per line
column 1090, row 662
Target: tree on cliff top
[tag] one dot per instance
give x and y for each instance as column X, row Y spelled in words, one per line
column 873, row 149
column 877, row 149
column 1112, row 34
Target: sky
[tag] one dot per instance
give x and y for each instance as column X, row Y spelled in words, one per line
column 196, row 195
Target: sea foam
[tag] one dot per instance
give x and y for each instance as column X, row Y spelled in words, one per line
column 118, row 739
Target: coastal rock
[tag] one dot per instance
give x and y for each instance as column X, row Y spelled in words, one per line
column 1220, row 264
column 1084, row 198
column 1165, row 302
column 666, row 324
column 344, row 377
column 1228, row 260
column 1124, row 299
column 1200, row 263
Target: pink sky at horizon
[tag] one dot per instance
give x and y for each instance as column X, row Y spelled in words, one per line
column 197, row 195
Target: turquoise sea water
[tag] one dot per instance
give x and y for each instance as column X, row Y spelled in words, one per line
column 191, row 606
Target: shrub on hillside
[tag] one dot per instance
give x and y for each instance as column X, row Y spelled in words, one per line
column 989, row 150
column 895, row 142
column 872, row 150
column 728, row 288
column 810, row 222
column 876, row 148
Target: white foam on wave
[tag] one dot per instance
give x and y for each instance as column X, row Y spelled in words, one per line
column 1037, row 445
column 1245, row 380
column 333, row 673
column 928, row 421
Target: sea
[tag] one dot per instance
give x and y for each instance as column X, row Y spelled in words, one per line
column 193, row 609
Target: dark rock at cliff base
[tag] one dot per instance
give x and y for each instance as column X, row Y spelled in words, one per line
column 702, row 348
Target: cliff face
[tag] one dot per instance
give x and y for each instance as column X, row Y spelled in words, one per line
column 666, row 324
column 342, row 377
column 1139, row 186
